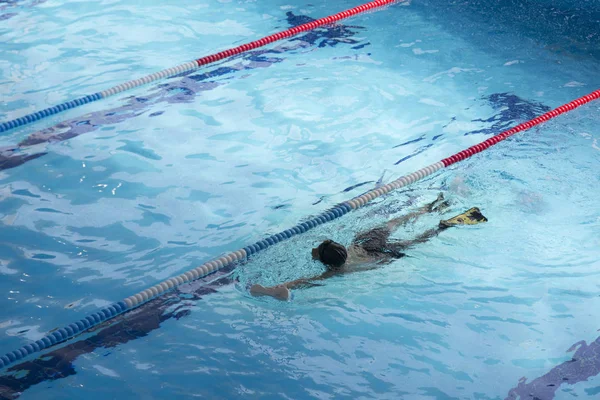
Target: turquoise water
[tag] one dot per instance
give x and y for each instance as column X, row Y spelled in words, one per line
column 128, row 191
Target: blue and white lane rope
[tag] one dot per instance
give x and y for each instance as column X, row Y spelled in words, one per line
column 36, row 116
column 107, row 313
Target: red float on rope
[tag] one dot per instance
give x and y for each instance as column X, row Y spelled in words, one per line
column 293, row 31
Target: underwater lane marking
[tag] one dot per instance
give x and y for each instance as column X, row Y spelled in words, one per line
column 521, row 127
column 294, row 31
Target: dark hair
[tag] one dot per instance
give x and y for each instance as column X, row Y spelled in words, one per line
column 332, row 254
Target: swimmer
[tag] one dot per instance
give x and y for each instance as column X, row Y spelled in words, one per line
column 370, row 249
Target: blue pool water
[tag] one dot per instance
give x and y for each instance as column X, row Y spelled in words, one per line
column 106, row 200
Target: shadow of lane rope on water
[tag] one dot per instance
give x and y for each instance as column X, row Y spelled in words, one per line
column 136, row 324
column 10, row 8
column 181, row 89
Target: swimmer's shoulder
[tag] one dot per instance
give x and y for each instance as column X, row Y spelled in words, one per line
column 358, row 259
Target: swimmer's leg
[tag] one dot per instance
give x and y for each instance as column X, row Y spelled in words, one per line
column 402, row 245
column 436, row 206
column 472, row 216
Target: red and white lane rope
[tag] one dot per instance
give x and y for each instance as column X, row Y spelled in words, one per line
column 191, row 65
column 212, row 266
column 460, row 156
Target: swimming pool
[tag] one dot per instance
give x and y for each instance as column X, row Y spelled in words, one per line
column 110, row 198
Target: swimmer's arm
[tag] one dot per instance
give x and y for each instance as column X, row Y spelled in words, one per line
column 308, row 282
column 282, row 292
column 279, row 292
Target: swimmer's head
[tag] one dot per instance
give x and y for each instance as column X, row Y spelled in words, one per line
column 330, row 253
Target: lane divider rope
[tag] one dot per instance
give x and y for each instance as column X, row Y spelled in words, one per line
column 192, row 65
column 212, row 266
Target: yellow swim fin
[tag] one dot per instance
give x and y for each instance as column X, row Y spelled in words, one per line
column 470, row 217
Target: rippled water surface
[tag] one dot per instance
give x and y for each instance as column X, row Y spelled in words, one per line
column 108, row 199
